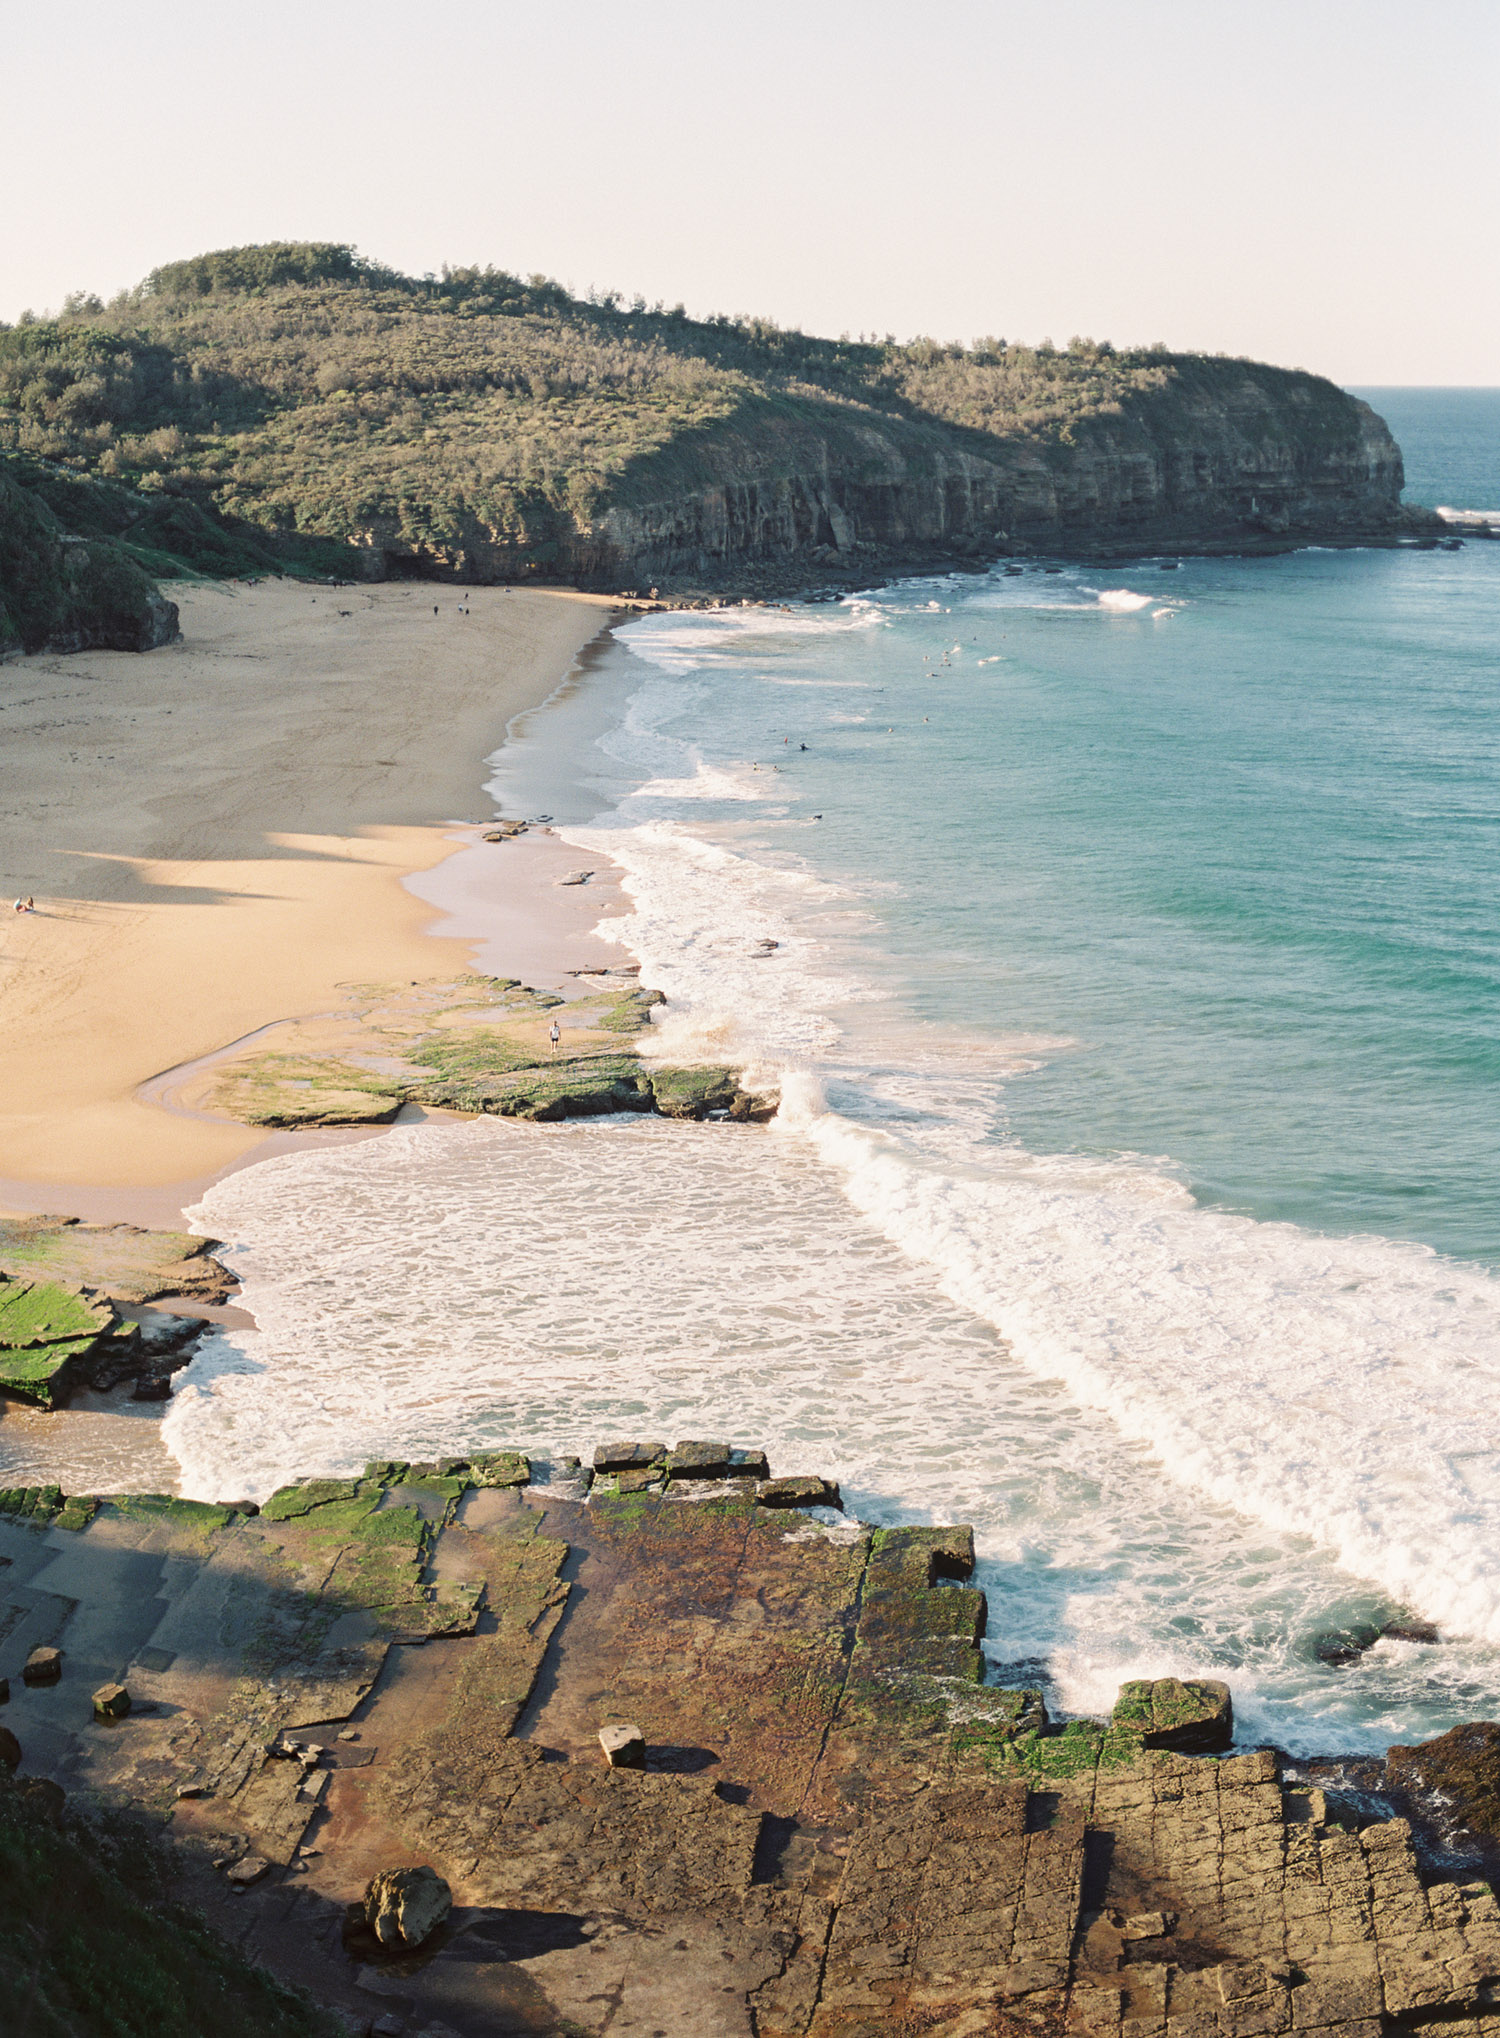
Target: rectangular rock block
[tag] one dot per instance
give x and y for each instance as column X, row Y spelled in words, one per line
column 628, row 1457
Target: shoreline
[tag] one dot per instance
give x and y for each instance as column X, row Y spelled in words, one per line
column 234, row 772
column 405, row 897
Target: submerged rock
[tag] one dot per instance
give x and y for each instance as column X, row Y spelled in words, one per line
column 405, row 1906
column 1463, row 1766
column 1346, row 1645
column 1410, row 1631
column 1193, row 1718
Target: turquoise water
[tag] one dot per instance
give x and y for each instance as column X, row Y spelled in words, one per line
column 1246, row 856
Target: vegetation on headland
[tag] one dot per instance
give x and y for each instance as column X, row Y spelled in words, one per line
column 303, row 397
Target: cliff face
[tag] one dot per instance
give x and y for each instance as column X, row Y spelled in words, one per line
column 1240, row 463
column 1240, row 456
column 481, row 428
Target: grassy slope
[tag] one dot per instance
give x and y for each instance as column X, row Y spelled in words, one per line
column 93, row 1948
column 297, row 390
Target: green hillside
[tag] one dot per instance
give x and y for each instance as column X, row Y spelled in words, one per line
column 481, row 423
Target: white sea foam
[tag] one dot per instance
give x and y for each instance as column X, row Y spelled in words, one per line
column 1307, row 1382
column 1121, row 599
column 700, row 916
column 457, row 1287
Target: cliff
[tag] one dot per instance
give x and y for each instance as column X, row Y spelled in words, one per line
column 479, row 427
column 1230, row 455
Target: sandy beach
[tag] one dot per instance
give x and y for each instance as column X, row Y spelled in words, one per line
column 216, row 835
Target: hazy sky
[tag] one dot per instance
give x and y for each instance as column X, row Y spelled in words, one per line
column 1311, row 183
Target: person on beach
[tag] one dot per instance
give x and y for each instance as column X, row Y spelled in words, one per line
column 554, row 1035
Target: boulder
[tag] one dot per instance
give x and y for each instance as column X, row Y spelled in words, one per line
column 1464, row 1766
column 10, row 1750
column 43, row 1666
column 111, row 1702
column 628, row 1457
column 161, row 1332
column 405, row 1906
column 699, row 1461
column 498, row 1468
column 693, row 1092
column 249, row 1868
column 4, row 1691
column 648, row 1477
column 1145, row 1925
column 1410, row 1631
column 803, row 1492
column 1194, row 1718
column 624, row 1747
column 748, row 1465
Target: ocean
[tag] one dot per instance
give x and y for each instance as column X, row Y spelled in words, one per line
column 1134, row 1008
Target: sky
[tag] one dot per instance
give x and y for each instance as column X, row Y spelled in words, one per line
column 1309, row 183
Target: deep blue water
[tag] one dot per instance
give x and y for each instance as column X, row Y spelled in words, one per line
column 1450, row 440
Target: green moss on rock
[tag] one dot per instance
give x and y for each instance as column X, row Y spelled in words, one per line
column 1194, row 1717
column 199, row 1517
column 307, row 1494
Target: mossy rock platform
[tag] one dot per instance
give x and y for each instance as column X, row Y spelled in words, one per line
column 60, row 1282
column 841, row 1829
column 479, row 1045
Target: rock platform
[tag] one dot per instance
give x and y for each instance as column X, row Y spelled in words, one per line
column 840, row 1830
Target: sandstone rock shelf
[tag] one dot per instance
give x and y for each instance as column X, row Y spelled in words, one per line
column 839, row 1828
column 63, row 1287
column 479, row 1045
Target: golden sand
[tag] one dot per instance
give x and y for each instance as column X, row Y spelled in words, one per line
column 215, row 835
